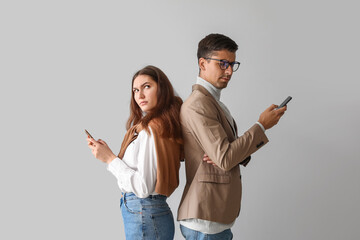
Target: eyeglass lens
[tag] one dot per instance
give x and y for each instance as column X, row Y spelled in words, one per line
column 234, row 65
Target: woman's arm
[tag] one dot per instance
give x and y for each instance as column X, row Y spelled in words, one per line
column 137, row 173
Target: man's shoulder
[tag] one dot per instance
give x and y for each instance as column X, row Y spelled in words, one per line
column 196, row 98
column 198, row 102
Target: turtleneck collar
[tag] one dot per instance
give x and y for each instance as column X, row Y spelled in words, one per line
column 215, row 92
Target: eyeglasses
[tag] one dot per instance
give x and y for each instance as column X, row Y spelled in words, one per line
column 225, row 64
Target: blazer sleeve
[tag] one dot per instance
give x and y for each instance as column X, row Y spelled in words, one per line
column 201, row 118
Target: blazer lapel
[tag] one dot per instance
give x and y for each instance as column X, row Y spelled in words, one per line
column 227, row 127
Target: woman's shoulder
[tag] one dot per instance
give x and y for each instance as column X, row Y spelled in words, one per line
column 152, row 128
column 155, row 124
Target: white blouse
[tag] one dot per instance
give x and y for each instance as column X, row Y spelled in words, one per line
column 136, row 172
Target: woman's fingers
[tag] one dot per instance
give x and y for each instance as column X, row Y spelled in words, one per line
column 102, row 142
column 91, row 143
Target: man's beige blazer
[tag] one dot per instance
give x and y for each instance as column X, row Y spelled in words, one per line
column 213, row 192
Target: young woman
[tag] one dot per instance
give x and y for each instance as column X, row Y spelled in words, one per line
column 147, row 167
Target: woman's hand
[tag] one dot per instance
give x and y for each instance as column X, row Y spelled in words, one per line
column 208, row 160
column 101, row 150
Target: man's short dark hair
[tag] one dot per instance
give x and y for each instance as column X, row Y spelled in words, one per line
column 215, row 42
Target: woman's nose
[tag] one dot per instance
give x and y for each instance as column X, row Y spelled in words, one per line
column 141, row 95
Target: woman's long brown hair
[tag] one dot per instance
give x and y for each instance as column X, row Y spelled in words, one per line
column 167, row 111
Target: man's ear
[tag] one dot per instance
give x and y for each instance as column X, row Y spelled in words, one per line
column 202, row 64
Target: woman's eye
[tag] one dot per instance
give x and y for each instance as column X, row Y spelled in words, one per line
column 147, row 86
column 135, row 90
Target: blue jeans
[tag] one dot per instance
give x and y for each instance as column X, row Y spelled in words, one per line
column 190, row 234
column 147, row 218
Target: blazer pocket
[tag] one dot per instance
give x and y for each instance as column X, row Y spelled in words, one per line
column 214, row 178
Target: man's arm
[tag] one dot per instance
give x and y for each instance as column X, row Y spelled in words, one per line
column 202, row 120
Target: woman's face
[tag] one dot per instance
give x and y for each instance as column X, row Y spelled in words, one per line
column 145, row 89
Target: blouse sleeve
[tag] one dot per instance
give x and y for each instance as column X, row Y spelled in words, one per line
column 139, row 179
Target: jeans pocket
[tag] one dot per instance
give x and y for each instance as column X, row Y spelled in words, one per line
column 163, row 224
column 159, row 210
column 133, row 206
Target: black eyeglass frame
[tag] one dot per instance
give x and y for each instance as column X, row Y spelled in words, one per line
column 224, row 64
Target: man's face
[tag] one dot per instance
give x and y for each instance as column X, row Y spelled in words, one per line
column 211, row 71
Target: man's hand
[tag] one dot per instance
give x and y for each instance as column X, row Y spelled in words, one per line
column 208, row 160
column 271, row 116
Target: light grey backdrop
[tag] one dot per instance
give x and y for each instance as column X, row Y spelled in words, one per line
column 67, row 65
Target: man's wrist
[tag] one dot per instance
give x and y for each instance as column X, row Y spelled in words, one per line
column 262, row 127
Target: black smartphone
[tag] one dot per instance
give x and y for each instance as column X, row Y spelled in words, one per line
column 88, row 134
column 283, row 104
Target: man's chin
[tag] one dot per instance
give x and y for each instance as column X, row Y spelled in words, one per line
column 222, row 85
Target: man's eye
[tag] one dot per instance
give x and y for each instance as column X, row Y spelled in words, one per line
column 224, row 64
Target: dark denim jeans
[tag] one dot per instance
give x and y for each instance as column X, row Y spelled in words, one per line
column 190, row 234
column 147, row 218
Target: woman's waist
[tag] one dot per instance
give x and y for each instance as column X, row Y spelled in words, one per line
column 132, row 196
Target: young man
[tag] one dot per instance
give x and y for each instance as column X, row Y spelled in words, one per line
column 213, row 151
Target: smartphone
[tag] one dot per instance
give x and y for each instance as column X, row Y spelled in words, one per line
column 88, row 134
column 283, row 104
